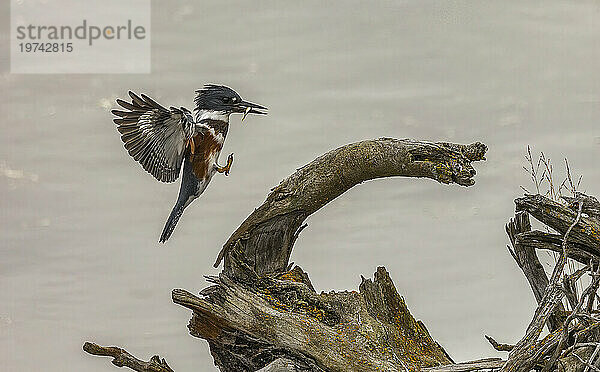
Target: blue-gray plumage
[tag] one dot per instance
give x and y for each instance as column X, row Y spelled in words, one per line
column 161, row 139
column 191, row 187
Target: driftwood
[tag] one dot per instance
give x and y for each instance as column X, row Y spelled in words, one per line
column 367, row 330
column 267, row 236
column 122, row 358
column 476, row 365
column 274, row 309
column 261, row 313
column 528, row 261
column 574, row 333
column 560, row 217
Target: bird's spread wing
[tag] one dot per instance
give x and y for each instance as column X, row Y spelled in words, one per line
column 153, row 135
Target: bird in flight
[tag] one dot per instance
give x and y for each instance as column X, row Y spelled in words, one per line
column 161, row 139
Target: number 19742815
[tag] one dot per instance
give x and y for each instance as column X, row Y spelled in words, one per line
column 45, row 47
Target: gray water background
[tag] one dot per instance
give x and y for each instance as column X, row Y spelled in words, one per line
column 79, row 220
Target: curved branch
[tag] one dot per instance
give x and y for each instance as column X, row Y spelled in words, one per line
column 268, row 234
column 121, row 358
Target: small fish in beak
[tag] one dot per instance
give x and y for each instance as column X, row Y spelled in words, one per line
column 246, row 112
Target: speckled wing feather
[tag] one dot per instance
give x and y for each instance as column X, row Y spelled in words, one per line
column 154, row 136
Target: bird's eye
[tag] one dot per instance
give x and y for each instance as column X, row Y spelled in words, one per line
column 225, row 99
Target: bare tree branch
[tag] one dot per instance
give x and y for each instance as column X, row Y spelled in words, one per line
column 527, row 352
column 122, row 358
column 528, row 261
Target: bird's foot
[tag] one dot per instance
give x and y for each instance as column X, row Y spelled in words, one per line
column 226, row 168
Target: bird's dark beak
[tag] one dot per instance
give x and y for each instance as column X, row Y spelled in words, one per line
column 246, row 108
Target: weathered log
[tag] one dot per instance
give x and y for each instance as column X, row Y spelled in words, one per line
column 553, row 242
column 559, row 217
column 267, row 236
column 476, row 365
column 367, row 330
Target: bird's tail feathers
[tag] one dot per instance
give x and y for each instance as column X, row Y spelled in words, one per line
column 172, row 222
column 190, row 189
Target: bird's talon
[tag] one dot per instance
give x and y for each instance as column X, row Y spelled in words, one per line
column 229, row 162
column 226, row 168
